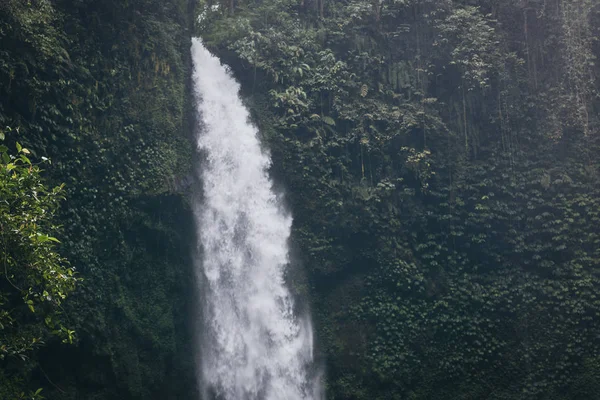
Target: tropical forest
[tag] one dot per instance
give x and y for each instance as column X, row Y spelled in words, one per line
column 300, row 199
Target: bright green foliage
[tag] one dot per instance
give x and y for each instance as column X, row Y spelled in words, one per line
column 441, row 161
column 35, row 278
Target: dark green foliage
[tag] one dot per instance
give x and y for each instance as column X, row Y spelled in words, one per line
column 441, row 163
column 100, row 88
column 440, row 159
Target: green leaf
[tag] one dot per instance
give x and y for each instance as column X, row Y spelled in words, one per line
column 329, row 121
column 25, row 159
column 19, row 147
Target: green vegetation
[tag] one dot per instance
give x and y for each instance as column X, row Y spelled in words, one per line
column 100, row 89
column 440, row 159
column 441, row 163
column 36, row 279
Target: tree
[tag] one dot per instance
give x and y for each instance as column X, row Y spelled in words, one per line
column 35, row 279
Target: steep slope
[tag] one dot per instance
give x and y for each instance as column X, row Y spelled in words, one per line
column 440, row 158
column 100, row 89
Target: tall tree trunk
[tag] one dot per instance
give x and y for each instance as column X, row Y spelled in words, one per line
column 377, row 12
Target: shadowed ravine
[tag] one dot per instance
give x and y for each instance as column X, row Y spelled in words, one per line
column 253, row 346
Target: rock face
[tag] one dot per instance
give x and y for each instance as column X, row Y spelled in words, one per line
column 101, row 88
column 440, row 159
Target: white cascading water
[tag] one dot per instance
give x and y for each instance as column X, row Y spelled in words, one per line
column 253, row 346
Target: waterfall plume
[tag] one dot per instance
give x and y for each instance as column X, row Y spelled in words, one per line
column 253, row 345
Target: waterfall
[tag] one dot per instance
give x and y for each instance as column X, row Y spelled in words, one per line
column 252, row 346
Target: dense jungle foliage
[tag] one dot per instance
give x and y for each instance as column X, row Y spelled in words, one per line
column 441, row 161
column 100, row 89
column 440, row 158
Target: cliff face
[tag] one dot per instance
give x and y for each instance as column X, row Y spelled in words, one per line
column 101, row 89
column 440, row 162
column 440, row 159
